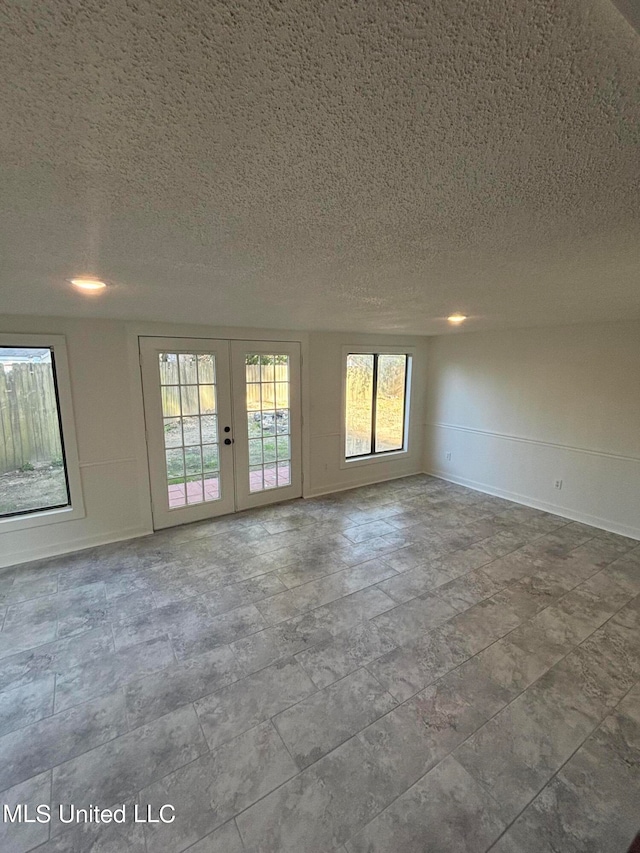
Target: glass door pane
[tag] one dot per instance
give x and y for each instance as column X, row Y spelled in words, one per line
column 188, row 388
column 268, row 420
column 266, row 378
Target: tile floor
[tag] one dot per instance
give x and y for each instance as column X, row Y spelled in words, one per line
column 410, row 667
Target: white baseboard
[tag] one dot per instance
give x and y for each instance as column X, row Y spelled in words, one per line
column 18, row 557
column 525, row 500
column 342, row 487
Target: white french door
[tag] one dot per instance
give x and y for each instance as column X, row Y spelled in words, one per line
column 223, row 425
column 187, row 401
column 267, row 423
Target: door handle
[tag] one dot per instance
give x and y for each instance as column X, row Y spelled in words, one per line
column 228, row 441
column 227, row 429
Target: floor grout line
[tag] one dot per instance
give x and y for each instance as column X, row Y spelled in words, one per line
column 333, row 638
column 451, row 752
column 564, row 764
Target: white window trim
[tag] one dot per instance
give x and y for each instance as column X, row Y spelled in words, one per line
column 76, row 510
column 389, row 456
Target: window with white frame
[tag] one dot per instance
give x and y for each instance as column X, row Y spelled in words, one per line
column 376, row 403
column 39, row 474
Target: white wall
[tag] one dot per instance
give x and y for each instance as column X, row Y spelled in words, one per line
column 519, row 409
column 516, row 409
column 107, row 398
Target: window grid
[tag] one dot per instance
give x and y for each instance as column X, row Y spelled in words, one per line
column 268, row 421
column 188, row 389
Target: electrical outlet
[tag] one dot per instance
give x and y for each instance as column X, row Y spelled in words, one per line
column 447, row 456
column 557, row 484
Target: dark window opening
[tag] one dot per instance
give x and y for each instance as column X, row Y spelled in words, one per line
column 33, row 470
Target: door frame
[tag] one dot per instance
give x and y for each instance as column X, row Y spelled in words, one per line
column 261, row 342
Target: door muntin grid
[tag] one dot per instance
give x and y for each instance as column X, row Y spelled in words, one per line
column 268, row 420
column 189, row 408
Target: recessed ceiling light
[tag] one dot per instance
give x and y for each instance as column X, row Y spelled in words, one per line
column 456, row 319
column 88, row 283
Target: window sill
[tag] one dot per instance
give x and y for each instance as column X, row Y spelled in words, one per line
column 40, row 518
column 373, row 459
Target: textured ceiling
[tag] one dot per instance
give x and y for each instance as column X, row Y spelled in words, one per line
column 354, row 164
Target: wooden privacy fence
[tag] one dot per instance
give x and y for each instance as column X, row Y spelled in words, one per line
column 267, row 388
column 267, row 395
column 29, row 430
